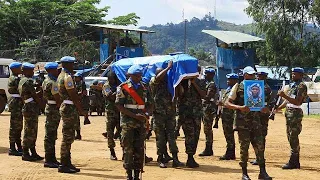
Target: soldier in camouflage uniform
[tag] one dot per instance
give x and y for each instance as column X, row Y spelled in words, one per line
column 264, row 118
column 133, row 120
column 53, row 102
column 30, row 112
column 209, row 103
column 164, row 117
column 228, row 118
column 15, row 107
column 69, row 111
column 112, row 113
column 96, row 101
column 190, row 93
column 248, row 126
column 294, row 114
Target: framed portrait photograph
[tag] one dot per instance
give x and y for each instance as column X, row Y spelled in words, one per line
column 254, row 94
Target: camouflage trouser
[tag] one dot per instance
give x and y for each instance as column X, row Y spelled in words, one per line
column 77, row 125
column 51, row 127
column 178, row 124
column 69, row 116
column 85, row 103
column 113, row 121
column 191, row 126
column 133, row 146
column 164, row 127
column 294, row 128
column 30, row 113
column 16, row 119
column 264, row 119
column 255, row 137
column 207, row 126
column 227, row 124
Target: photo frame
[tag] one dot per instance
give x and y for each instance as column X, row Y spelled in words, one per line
column 254, row 96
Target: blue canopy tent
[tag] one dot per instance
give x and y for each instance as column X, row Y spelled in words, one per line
column 183, row 66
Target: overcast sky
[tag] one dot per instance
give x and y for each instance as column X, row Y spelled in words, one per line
column 163, row 11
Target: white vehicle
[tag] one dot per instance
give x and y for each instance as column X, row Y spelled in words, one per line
column 89, row 80
column 4, row 76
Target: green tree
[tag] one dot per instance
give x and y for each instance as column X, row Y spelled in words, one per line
column 284, row 24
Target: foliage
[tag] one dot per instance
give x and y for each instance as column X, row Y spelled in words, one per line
column 290, row 41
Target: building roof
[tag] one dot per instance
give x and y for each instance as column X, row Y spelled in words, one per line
column 120, row 28
column 232, row 36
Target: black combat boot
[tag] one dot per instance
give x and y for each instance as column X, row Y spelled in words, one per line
column 207, row 151
column 113, row 154
column 191, row 163
column 229, row 155
column 19, row 147
column 71, row 165
column 26, row 156
column 294, row 162
column 49, row 161
column 263, row 173
column 148, row 159
column 35, row 155
column 65, row 168
column 167, row 157
column 78, row 136
column 176, row 162
column 161, row 162
column 245, row 175
column 13, row 151
column 86, row 121
column 129, row 174
column 136, row 175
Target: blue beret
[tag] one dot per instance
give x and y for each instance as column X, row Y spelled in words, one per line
column 262, row 73
column 298, row 70
column 67, row 59
column 232, row 76
column 101, row 82
column 15, row 65
column 51, row 65
column 135, row 69
column 78, row 74
column 210, row 70
column 28, row 66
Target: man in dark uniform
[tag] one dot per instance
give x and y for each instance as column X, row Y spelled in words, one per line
column 15, row 107
column 228, row 118
column 294, row 114
column 248, row 126
column 53, row 102
column 264, row 118
column 133, row 102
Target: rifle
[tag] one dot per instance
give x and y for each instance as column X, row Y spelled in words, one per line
column 216, row 121
column 276, row 105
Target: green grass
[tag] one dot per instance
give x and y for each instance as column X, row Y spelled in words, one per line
column 315, row 116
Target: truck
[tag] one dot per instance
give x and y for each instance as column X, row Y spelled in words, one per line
column 4, row 76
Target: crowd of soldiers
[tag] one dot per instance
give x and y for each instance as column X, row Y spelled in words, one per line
column 129, row 106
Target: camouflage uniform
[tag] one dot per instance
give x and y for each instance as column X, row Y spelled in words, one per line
column 133, row 131
column 164, row 117
column 227, row 117
column 249, row 128
column 294, row 116
column 79, row 88
column 30, row 112
column 69, row 115
column 209, row 111
column 264, row 118
column 97, row 100
column 112, row 114
column 15, row 107
column 190, row 114
column 50, row 88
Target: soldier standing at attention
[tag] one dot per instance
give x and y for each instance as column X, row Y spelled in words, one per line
column 53, row 101
column 79, row 88
column 248, row 126
column 264, row 118
column 209, row 110
column 190, row 93
column 164, row 117
column 30, row 113
column 15, row 107
column 69, row 111
column 228, row 118
column 294, row 114
column 132, row 101
column 112, row 113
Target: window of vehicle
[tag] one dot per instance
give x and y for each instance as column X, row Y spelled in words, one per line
column 4, row 71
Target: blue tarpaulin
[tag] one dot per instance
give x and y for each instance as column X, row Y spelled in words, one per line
column 104, row 52
column 235, row 58
column 183, row 66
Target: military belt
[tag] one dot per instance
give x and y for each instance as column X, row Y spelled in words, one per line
column 16, row 95
column 28, row 100
column 134, row 106
column 67, row 102
column 51, row 102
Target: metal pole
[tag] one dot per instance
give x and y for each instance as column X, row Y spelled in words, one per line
column 141, row 39
column 185, row 36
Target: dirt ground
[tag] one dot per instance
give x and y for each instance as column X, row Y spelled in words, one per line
column 91, row 155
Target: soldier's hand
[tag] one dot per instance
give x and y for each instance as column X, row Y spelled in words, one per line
column 281, row 93
column 244, row 109
column 170, row 64
column 265, row 110
column 141, row 117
